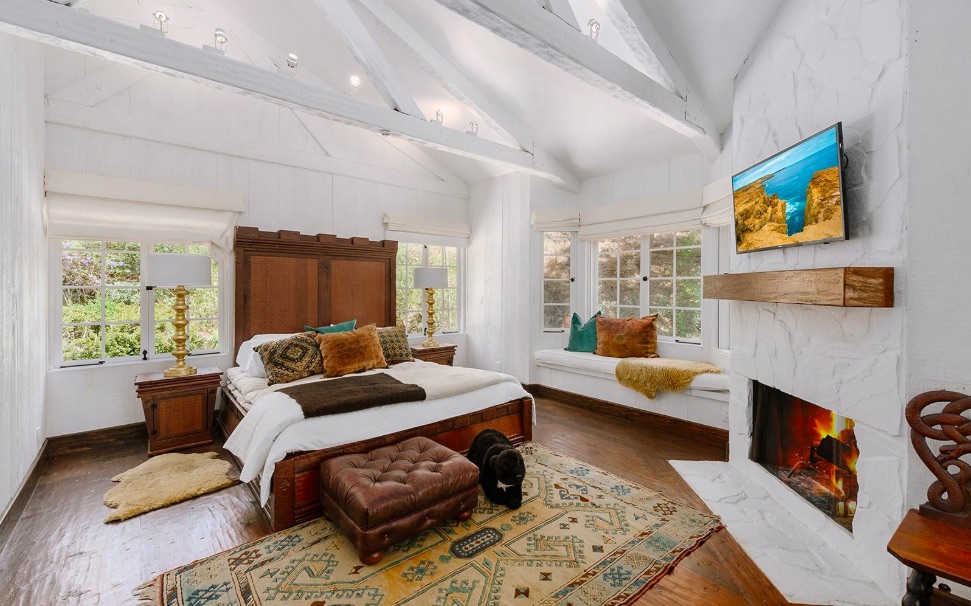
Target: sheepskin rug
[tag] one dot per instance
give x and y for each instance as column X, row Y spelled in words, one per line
column 167, row 479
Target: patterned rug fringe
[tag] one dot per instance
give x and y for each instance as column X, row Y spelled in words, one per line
column 699, row 541
column 147, row 594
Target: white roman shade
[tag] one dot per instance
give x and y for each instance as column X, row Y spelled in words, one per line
column 85, row 206
column 555, row 220
column 717, row 198
column 427, row 231
column 659, row 214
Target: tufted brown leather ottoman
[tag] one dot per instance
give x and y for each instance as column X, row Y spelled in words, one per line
column 384, row 496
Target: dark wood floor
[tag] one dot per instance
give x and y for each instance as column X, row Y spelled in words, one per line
column 61, row 553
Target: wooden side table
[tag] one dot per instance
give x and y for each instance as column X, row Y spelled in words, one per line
column 443, row 354
column 178, row 410
column 931, row 548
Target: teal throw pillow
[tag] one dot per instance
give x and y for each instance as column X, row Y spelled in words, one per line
column 342, row 327
column 583, row 336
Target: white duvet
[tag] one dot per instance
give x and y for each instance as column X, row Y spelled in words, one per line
column 275, row 425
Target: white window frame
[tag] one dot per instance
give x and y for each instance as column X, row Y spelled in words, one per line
column 709, row 321
column 646, row 249
column 146, row 322
column 597, row 279
column 542, row 277
column 459, row 290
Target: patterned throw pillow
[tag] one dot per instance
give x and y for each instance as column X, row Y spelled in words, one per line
column 394, row 345
column 290, row 359
column 353, row 351
column 627, row 338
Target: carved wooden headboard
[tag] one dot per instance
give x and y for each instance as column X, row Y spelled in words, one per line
column 285, row 280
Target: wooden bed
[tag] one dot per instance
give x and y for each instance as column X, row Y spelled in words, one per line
column 285, row 280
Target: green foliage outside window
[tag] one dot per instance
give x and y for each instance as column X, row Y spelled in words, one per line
column 101, row 302
column 675, row 283
column 410, row 301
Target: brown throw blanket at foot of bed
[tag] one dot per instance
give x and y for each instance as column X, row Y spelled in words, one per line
column 650, row 375
column 348, row 394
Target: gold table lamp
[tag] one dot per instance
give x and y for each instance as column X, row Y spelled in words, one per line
column 178, row 271
column 430, row 278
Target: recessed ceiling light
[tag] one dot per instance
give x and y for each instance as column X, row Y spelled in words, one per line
column 221, row 37
column 355, row 81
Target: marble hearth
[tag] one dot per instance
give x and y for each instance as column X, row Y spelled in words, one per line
column 806, row 554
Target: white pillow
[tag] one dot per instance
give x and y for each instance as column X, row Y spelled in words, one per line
column 249, row 361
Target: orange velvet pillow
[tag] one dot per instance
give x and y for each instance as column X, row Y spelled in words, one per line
column 627, row 338
column 351, row 351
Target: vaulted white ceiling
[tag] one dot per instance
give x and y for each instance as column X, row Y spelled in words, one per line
column 521, row 94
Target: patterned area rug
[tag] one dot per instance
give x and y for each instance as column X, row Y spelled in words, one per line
column 582, row 537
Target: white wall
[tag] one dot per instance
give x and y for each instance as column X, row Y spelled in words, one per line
column 823, row 61
column 23, row 262
column 938, row 219
column 172, row 131
column 498, row 304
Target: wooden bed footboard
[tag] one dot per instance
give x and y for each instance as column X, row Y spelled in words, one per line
column 294, row 498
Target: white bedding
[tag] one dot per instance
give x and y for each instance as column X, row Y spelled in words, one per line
column 275, row 426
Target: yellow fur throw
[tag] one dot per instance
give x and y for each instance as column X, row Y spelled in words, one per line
column 650, row 375
column 167, row 479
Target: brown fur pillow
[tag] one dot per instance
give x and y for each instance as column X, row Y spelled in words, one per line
column 352, row 351
column 627, row 338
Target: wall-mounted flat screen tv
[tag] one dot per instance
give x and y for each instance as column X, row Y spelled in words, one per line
column 793, row 198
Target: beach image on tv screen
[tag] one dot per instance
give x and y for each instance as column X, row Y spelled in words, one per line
column 791, row 198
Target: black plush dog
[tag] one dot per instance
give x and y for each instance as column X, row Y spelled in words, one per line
column 501, row 468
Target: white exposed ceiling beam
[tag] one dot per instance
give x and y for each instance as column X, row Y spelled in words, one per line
column 78, row 31
column 75, row 116
column 647, row 45
column 418, row 156
column 101, row 85
column 546, row 36
column 463, row 89
column 445, row 73
column 345, row 22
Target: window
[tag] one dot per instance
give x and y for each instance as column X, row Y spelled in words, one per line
column 675, row 284
column 203, row 308
column 411, row 301
column 619, row 277
column 557, row 246
column 673, row 287
column 105, row 311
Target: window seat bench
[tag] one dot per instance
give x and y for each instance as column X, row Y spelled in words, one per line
column 705, row 401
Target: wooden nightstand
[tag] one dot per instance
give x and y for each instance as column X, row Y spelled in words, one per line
column 443, row 354
column 178, row 410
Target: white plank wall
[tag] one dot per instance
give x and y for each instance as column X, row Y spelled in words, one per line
column 498, row 297
column 277, row 194
column 938, row 220
column 23, row 292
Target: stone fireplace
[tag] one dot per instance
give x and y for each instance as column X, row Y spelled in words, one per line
column 845, row 362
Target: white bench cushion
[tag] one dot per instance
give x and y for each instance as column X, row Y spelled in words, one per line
column 600, row 366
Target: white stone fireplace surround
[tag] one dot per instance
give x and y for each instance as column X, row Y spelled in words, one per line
column 844, row 360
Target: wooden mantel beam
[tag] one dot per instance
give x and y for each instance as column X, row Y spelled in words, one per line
column 78, row 31
column 543, row 34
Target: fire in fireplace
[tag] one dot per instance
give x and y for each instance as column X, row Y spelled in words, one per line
column 809, row 448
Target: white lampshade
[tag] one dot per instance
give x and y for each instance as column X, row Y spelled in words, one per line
column 431, row 277
column 178, row 270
